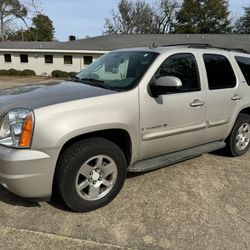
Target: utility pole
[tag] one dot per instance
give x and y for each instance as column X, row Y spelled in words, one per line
column 22, row 34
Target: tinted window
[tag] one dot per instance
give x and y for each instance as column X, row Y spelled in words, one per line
column 67, row 59
column 48, row 58
column 184, row 67
column 244, row 64
column 24, row 58
column 88, row 60
column 219, row 72
column 7, row 58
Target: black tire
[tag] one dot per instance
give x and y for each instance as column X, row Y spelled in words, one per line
column 231, row 141
column 71, row 162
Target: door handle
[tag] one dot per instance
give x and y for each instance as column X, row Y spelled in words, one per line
column 236, row 97
column 197, row 103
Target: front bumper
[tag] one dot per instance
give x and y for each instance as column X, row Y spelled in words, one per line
column 27, row 173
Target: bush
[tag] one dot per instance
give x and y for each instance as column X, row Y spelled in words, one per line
column 14, row 72
column 59, row 73
column 3, row 72
column 28, row 72
column 72, row 74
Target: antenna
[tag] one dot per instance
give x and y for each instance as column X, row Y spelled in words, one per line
column 153, row 46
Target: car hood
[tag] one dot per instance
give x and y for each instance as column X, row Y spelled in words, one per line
column 41, row 95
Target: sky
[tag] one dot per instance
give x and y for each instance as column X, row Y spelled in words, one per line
column 86, row 17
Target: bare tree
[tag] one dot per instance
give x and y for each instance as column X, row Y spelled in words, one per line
column 139, row 17
column 10, row 10
column 131, row 17
column 34, row 7
column 165, row 13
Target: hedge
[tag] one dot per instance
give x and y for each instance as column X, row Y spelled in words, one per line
column 3, row 72
column 59, row 73
column 14, row 72
column 72, row 74
column 28, row 72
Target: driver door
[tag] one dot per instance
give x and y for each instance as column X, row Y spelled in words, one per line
column 176, row 120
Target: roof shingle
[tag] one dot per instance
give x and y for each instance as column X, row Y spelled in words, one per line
column 112, row 42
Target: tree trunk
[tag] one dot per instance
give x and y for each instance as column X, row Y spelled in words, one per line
column 2, row 22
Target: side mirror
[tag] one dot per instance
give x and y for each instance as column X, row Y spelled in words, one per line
column 165, row 85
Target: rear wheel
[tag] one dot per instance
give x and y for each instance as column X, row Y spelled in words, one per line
column 90, row 173
column 238, row 141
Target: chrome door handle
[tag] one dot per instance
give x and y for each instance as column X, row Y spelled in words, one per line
column 236, row 97
column 197, row 103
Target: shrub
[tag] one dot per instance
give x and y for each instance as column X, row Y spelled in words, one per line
column 14, row 72
column 59, row 73
column 72, row 74
column 28, row 72
column 3, row 72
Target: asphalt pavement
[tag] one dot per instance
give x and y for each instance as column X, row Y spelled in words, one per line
column 203, row 203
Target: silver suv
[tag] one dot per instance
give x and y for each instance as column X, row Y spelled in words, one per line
column 131, row 110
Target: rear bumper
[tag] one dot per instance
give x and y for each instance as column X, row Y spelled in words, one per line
column 27, row 173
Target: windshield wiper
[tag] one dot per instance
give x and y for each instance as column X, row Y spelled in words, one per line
column 92, row 80
column 95, row 82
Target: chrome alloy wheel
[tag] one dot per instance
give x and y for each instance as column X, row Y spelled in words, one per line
column 96, row 177
column 243, row 136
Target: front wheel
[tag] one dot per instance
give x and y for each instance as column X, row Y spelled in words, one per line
column 238, row 141
column 90, row 173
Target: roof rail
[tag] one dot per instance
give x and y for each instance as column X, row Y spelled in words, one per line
column 234, row 49
column 206, row 45
column 190, row 45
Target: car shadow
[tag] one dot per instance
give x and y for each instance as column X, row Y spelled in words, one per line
column 9, row 198
column 221, row 152
column 58, row 204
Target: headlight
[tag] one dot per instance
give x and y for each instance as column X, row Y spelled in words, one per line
column 17, row 128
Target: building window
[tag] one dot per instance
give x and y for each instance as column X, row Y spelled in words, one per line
column 7, row 58
column 48, row 58
column 24, row 58
column 87, row 60
column 68, row 60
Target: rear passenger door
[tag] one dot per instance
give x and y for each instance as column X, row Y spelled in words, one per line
column 224, row 95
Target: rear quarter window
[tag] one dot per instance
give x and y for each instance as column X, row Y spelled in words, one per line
column 244, row 64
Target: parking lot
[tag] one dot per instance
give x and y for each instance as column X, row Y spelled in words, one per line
column 203, row 203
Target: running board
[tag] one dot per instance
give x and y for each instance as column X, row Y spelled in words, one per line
column 172, row 158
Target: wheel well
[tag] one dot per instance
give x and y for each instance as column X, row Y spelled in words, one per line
column 246, row 111
column 119, row 137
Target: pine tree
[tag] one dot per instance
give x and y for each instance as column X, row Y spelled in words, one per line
column 243, row 23
column 203, row 16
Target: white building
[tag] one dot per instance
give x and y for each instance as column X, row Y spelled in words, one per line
column 43, row 60
column 44, row 57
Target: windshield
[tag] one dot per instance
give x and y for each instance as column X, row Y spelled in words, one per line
column 117, row 70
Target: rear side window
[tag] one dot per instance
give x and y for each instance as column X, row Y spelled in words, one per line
column 184, row 67
column 244, row 64
column 219, row 72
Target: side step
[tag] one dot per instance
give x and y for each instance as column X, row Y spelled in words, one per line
column 169, row 159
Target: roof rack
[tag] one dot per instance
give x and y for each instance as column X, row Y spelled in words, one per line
column 190, row 45
column 234, row 49
column 205, row 46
